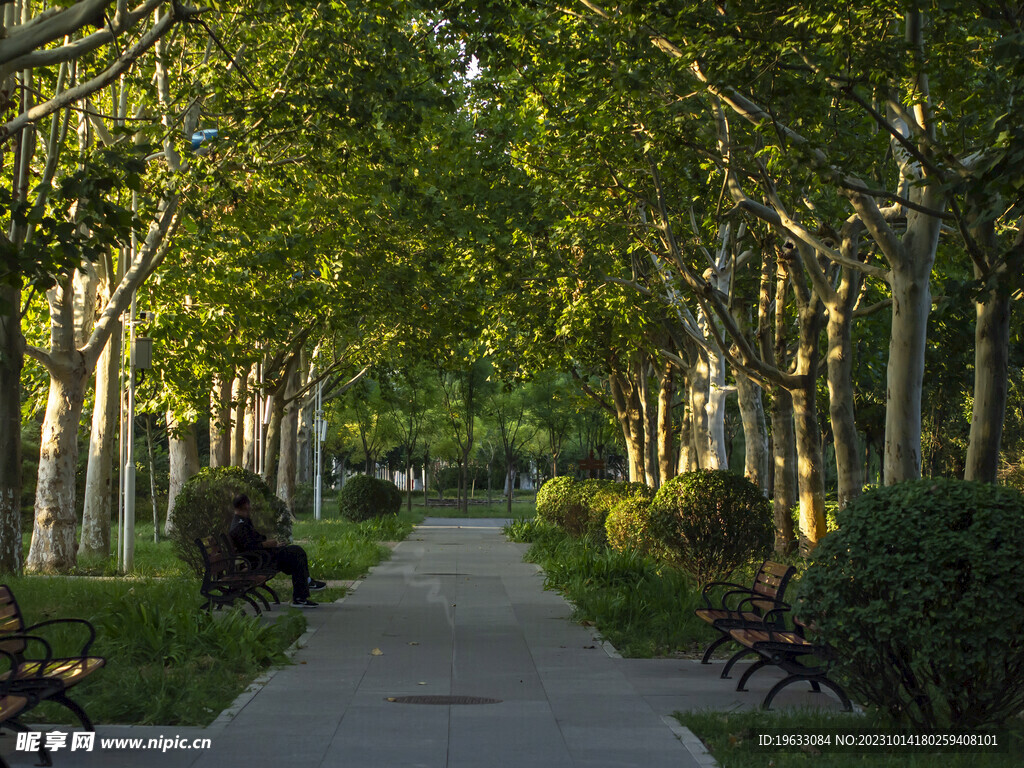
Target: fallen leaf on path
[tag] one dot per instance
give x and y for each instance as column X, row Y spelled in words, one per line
column 377, row 652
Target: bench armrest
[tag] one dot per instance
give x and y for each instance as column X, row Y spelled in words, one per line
column 36, row 638
column 749, row 601
column 49, row 622
column 733, row 589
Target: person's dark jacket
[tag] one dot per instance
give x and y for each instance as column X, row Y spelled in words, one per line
column 244, row 535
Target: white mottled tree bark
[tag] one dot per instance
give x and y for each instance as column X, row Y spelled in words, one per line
column 184, row 463
column 755, row 431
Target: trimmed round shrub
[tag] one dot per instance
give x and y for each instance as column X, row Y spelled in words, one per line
column 711, row 522
column 582, row 507
column 628, row 526
column 205, row 506
column 552, row 498
column 920, row 593
column 604, row 497
column 364, row 497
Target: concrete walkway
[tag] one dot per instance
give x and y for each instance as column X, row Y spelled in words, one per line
column 454, row 613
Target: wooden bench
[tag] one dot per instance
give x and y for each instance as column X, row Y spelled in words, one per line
column 46, row 678
column 742, row 607
column 787, row 649
column 255, row 561
column 224, row 583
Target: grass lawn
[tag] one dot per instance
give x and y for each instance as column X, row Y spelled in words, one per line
column 168, row 661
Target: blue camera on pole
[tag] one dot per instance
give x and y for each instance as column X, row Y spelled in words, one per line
column 201, row 137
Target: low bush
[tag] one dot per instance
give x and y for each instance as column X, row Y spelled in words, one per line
column 552, row 498
column 205, row 507
column 580, row 508
column 304, row 499
column 628, row 526
column 919, row 592
column 606, row 495
column 364, row 497
column 711, row 522
column 583, row 508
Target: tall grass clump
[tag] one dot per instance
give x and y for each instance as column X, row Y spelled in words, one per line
column 167, row 661
column 642, row 607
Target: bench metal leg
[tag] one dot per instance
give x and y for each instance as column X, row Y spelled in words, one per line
column 732, row 662
column 817, row 681
column 252, row 602
column 273, row 594
column 77, row 710
column 750, row 671
column 707, row 654
column 259, row 595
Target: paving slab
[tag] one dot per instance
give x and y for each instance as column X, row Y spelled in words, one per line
column 455, row 613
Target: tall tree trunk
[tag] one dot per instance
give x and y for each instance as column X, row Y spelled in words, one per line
column 11, row 362
column 220, row 421
column 624, row 411
column 289, row 433
column 251, row 424
column 699, row 380
column 666, row 390
column 810, row 478
column 849, row 470
column 99, row 478
column 273, row 440
column 648, row 424
column 991, row 357
column 99, row 481
column 184, row 461
column 911, row 303
column 717, row 455
column 53, row 548
column 687, row 450
column 755, row 432
column 239, row 390
column 784, row 492
column 810, row 474
column 305, row 450
column 510, row 479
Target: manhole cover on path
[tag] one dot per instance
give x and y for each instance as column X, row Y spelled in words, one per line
column 442, row 700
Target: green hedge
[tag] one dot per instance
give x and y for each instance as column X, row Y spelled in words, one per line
column 920, row 592
column 581, row 507
column 711, row 522
column 628, row 526
column 364, row 497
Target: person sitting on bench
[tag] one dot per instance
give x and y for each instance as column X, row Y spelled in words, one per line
column 290, row 559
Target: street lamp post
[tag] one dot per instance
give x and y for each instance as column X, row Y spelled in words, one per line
column 137, row 361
